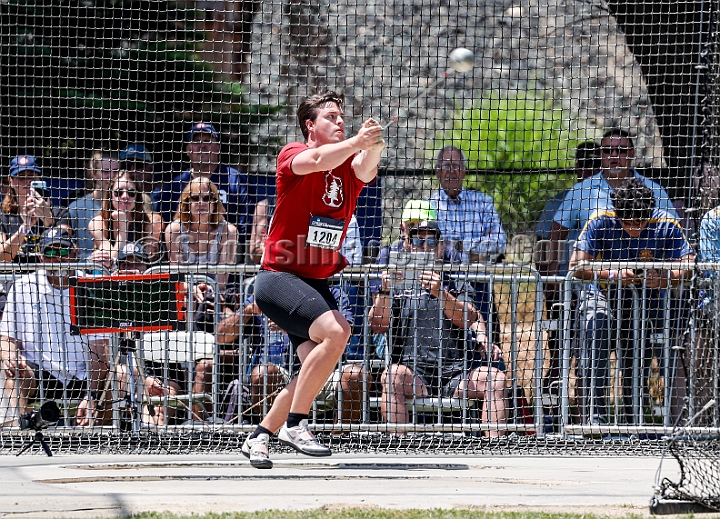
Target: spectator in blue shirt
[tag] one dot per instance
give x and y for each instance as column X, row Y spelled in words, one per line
column 101, row 168
column 593, row 194
column 709, row 245
column 26, row 212
column 202, row 147
column 469, row 224
column 634, row 231
column 587, row 163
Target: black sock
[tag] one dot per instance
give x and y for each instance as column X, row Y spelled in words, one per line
column 258, row 431
column 293, row 419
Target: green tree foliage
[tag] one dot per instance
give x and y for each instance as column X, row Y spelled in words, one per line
column 79, row 74
column 522, row 142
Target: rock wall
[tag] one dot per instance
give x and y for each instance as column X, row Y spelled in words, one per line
column 382, row 54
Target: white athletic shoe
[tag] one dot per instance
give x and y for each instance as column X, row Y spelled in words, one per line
column 302, row 440
column 257, row 450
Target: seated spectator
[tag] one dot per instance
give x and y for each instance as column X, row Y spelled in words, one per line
column 137, row 160
column 26, row 213
column 123, row 219
column 101, row 168
column 414, row 212
column 587, row 163
column 351, row 247
column 468, row 219
column 427, row 323
column 202, row 147
column 200, row 234
column 709, row 244
column 419, row 210
column 40, row 357
column 585, row 198
column 635, row 230
column 269, row 373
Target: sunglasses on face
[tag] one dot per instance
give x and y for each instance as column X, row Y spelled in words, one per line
column 621, row 150
column 201, row 198
column 419, row 242
column 57, row 253
column 132, row 193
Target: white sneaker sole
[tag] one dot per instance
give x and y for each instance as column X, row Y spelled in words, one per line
column 316, row 454
column 258, row 464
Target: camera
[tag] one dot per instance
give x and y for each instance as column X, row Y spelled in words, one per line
column 411, row 263
column 48, row 414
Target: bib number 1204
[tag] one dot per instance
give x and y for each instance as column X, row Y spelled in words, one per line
column 325, row 232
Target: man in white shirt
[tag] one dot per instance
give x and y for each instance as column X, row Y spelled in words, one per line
column 39, row 356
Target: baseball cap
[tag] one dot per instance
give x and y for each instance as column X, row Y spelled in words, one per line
column 24, row 163
column 201, row 128
column 136, row 152
column 56, row 236
column 418, row 210
column 133, row 250
column 426, row 225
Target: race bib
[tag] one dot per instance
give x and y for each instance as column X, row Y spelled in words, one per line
column 325, row 232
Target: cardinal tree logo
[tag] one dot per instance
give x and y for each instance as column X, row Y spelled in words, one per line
column 333, row 196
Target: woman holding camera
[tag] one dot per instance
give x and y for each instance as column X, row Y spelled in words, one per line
column 26, row 212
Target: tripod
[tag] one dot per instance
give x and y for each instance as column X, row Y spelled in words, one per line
column 39, row 438
column 137, row 394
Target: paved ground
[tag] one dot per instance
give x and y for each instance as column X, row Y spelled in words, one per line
column 103, row 486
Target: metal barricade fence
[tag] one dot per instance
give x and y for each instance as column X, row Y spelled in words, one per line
column 523, row 339
column 362, row 278
column 649, row 338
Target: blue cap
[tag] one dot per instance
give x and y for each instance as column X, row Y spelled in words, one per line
column 24, row 163
column 136, row 152
column 201, row 128
column 56, row 236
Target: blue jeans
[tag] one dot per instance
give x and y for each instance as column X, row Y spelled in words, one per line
column 636, row 334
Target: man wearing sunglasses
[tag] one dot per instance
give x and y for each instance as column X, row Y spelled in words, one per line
column 429, row 321
column 617, row 153
column 40, row 358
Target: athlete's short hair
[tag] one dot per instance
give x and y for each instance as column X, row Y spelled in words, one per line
column 308, row 109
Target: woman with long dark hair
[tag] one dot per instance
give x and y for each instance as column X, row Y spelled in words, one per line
column 124, row 219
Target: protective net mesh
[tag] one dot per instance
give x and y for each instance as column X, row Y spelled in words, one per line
column 509, row 288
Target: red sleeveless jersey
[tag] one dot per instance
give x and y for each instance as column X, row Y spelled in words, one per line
column 328, row 198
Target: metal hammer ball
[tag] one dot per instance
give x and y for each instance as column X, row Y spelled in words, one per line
column 462, row 59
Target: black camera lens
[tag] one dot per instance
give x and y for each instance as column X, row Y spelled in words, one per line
column 49, row 413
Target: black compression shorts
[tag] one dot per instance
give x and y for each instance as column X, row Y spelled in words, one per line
column 293, row 302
